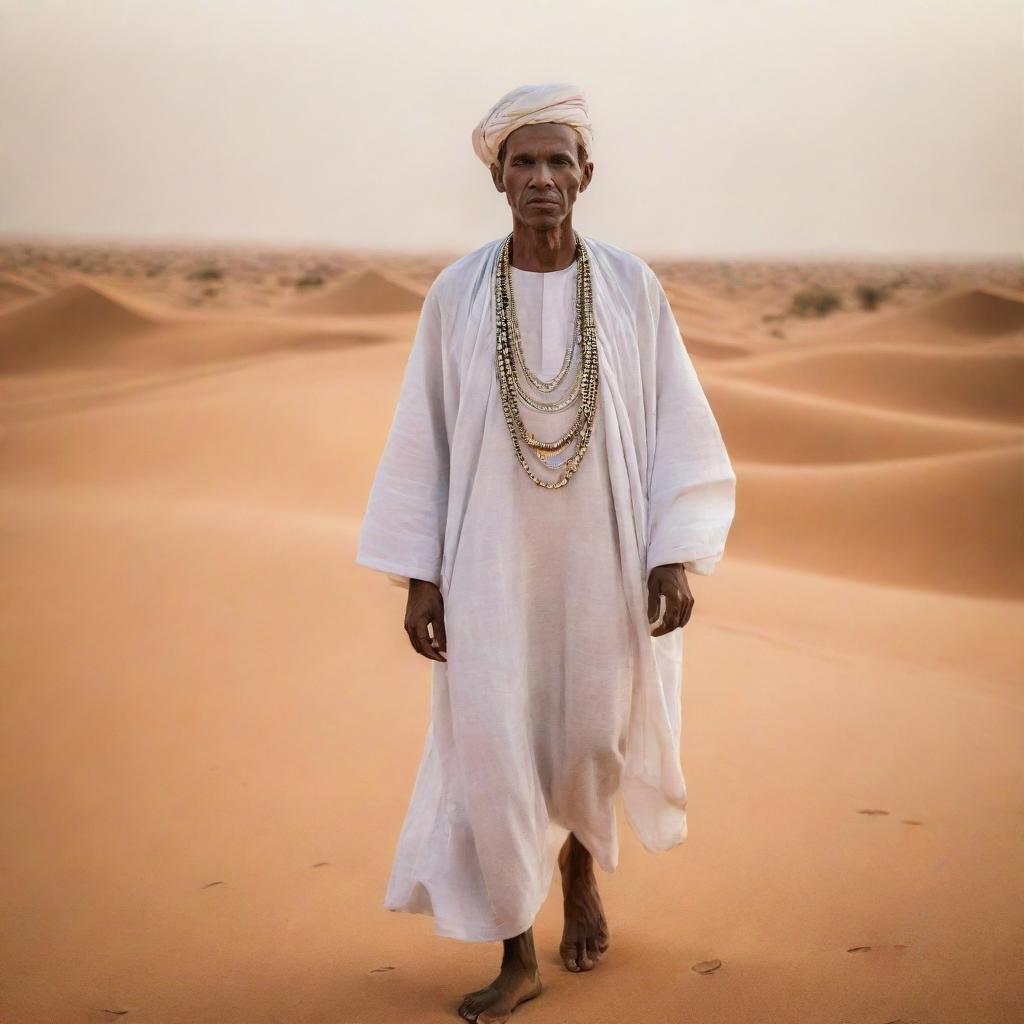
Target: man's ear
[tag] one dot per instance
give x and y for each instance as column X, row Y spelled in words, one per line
column 496, row 177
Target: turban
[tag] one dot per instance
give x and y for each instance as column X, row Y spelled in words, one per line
column 559, row 102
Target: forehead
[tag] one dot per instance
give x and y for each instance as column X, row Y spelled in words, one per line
column 547, row 137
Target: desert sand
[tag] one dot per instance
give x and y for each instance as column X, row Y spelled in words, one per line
column 212, row 717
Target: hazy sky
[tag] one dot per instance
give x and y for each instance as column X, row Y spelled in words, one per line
column 721, row 127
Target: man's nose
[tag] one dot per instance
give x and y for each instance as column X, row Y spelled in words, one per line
column 542, row 174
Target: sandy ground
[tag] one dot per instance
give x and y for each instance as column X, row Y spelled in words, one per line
column 212, row 717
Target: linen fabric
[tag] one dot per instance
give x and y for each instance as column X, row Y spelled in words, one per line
column 554, row 696
column 557, row 102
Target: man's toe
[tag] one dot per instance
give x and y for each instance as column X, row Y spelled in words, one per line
column 567, row 951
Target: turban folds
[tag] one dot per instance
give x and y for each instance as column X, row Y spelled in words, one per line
column 559, row 102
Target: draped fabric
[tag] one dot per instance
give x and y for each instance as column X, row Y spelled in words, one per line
column 553, row 102
column 554, row 696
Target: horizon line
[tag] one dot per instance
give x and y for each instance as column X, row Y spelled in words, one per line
column 370, row 252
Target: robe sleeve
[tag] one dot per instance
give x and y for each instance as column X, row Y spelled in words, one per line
column 691, row 483
column 402, row 533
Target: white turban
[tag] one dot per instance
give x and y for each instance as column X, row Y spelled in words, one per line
column 559, row 102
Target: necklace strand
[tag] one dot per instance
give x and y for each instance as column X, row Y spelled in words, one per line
column 509, row 351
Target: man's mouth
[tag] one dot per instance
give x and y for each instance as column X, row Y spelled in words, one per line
column 542, row 202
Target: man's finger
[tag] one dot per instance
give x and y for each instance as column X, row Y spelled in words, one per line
column 426, row 648
column 439, row 634
column 653, row 601
column 687, row 611
column 421, row 642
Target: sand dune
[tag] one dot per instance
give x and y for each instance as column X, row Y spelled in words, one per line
column 366, row 290
column 775, row 425
column 76, row 325
column 702, row 345
column 961, row 316
column 711, row 328
column 973, row 314
column 949, row 523
column 88, row 328
column 273, row 430
column 940, row 382
column 698, row 307
column 15, row 289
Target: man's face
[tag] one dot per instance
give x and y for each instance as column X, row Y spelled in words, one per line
column 541, row 173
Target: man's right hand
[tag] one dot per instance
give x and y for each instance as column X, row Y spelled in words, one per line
column 426, row 607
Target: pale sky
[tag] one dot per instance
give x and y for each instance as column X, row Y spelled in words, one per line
column 766, row 127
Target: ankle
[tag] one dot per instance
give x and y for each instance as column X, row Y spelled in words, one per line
column 518, row 954
column 574, row 858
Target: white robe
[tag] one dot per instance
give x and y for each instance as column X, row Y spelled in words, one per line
column 554, row 695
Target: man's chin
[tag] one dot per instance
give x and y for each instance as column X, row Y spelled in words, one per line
column 543, row 216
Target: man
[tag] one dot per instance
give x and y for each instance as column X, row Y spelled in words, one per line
column 551, row 472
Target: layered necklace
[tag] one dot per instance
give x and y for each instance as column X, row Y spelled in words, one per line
column 510, row 360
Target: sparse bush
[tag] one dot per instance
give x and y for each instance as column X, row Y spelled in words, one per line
column 310, row 280
column 207, row 272
column 870, row 295
column 816, row 300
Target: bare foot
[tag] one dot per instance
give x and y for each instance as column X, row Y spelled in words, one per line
column 517, row 981
column 585, row 937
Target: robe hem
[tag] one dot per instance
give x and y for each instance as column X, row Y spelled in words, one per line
column 445, row 930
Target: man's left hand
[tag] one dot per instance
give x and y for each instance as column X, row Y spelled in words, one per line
column 671, row 581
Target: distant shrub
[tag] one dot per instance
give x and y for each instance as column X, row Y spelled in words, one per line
column 310, row 280
column 207, row 272
column 816, row 300
column 870, row 295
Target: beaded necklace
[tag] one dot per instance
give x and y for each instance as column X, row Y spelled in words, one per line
column 509, row 356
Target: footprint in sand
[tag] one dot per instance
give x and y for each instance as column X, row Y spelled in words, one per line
column 863, row 949
column 706, row 966
column 871, row 810
column 209, row 884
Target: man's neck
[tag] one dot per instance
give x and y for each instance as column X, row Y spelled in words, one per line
column 543, row 251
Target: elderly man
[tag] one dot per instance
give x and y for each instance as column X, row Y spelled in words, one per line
column 551, row 472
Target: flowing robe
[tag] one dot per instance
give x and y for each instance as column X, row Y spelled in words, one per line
column 554, row 695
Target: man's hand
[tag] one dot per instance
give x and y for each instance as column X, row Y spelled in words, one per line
column 669, row 580
column 425, row 607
